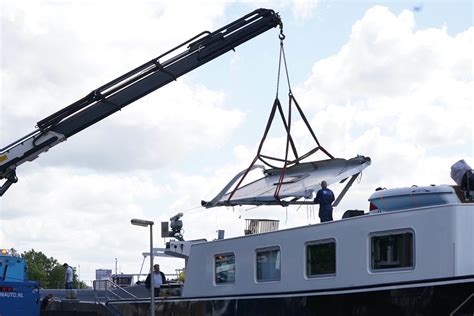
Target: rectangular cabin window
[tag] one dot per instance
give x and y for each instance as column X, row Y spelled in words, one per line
column 321, row 258
column 392, row 250
column 268, row 264
column 224, row 268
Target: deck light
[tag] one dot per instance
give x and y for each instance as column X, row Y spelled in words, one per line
column 145, row 223
column 141, row 222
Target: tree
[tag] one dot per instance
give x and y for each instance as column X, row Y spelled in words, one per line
column 40, row 267
column 48, row 271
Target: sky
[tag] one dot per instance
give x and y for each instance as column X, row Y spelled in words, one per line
column 391, row 80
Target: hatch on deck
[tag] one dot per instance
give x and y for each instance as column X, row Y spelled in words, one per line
column 413, row 197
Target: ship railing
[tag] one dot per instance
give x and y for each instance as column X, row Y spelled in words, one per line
column 105, row 290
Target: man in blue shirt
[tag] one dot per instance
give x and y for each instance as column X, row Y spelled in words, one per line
column 324, row 198
column 68, row 279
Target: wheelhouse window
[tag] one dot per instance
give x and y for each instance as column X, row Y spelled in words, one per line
column 321, row 258
column 268, row 264
column 224, row 268
column 392, row 250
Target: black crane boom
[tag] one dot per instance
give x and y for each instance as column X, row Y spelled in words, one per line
column 135, row 84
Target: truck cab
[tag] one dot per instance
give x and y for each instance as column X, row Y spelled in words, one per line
column 18, row 295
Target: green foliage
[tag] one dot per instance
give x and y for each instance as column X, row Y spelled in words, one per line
column 48, row 271
column 40, row 267
column 80, row 285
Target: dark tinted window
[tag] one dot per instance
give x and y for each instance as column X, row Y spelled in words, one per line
column 392, row 251
column 321, row 258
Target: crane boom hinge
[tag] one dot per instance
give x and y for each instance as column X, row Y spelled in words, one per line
column 11, row 178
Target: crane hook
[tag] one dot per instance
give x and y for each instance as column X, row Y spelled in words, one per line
column 281, row 36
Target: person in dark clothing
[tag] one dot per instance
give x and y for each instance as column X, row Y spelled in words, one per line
column 158, row 279
column 324, row 198
column 463, row 175
column 467, row 182
column 46, row 300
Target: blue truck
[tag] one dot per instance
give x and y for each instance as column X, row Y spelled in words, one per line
column 18, row 295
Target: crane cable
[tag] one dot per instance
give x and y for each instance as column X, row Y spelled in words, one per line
column 276, row 194
column 287, row 125
column 282, row 53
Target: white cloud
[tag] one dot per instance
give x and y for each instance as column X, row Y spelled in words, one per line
column 77, row 217
column 400, row 95
column 59, row 52
column 303, row 9
column 54, row 53
column 414, row 87
column 161, row 128
column 61, row 191
column 385, row 56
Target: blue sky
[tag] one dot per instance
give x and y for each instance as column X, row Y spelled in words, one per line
column 374, row 78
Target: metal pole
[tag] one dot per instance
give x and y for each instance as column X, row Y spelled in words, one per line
column 152, row 283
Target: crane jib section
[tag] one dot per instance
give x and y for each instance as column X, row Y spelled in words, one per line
column 135, row 84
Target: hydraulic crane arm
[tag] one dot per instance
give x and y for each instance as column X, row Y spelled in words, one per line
column 130, row 87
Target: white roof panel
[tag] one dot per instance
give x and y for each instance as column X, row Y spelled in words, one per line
column 300, row 182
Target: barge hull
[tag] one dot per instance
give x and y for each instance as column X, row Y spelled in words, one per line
column 449, row 297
